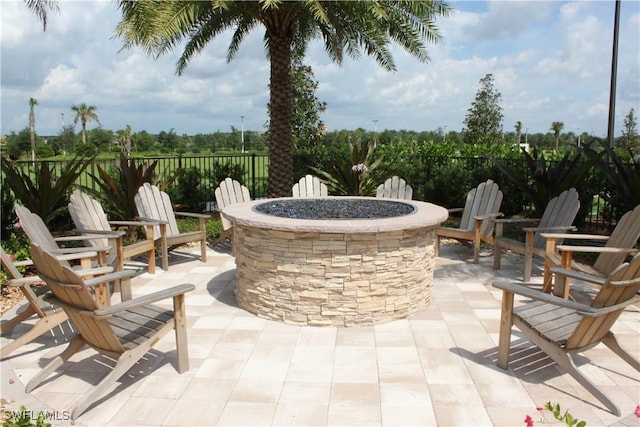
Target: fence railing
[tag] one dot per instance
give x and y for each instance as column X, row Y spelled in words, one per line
column 252, row 170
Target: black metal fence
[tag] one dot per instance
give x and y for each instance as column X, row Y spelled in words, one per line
column 252, row 170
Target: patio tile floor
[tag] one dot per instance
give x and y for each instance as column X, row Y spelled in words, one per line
column 436, row 368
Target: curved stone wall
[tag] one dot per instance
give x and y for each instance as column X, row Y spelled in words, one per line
column 362, row 273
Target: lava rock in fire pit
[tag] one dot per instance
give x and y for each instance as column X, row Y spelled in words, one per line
column 338, row 208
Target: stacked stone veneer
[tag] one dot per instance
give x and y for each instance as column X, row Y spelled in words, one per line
column 333, row 279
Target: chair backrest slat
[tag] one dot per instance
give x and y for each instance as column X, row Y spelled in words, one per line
column 395, row 188
column 78, row 301
column 625, row 235
column 593, row 329
column 560, row 212
column 87, row 214
column 230, row 192
column 485, row 199
column 155, row 204
column 309, row 186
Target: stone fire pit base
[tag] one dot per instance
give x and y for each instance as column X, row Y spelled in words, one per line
column 333, row 279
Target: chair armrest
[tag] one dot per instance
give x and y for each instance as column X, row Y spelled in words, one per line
column 141, row 223
column 574, row 236
column 575, row 274
column 116, row 275
column 599, row 249
column 455, row 210
column 488, row 216
column 94, row 271
column 78, row 237
column 535, row 229
column 151, row 220
column 582, row 309
column 192, row 214
column 515, row 220
column 143, row 300
column 102, row 233
column 521, row 289
column 20, row 282
column 85, row 252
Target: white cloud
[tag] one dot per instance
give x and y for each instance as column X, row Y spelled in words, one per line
column 551, row 62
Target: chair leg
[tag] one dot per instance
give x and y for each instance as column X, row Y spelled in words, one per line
column 437, row 247
column 612, row 342
column 77, row 342
column 565, row 361
column 27, row 312
column 124, row 363
column 180, row 326
column 506, row 321
column 43, row 325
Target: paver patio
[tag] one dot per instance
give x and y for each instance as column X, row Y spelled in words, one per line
column 436, row 368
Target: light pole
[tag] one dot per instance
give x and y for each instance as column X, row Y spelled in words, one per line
column 375, row 133
column 578, row 137
column 242, row 132
column 64, row 151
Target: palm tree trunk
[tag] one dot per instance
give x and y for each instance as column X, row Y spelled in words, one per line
column 280, row 139
column 84, row 130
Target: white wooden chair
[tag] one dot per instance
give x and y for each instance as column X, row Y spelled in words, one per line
column 155, row 206
column 124, row 332
column 557, row 217
column 395, row 188
column 562, row 328
column 309, row 186
column 617, row 248
column 476, row 225
column 229, row 192
column 89, row 217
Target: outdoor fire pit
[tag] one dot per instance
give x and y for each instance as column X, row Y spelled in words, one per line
column 336, row 261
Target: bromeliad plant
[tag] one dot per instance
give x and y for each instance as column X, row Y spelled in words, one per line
column 48, row 195
column 542, row 181
column 117, row 193
column 357, row 177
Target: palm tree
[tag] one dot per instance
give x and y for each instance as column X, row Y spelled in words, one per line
column 353, row 26
column 518, row 127
column 557, row 127
column 39, row 8
column 32, row 127
column 84, row 113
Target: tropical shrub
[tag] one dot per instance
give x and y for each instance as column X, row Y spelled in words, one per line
column 356, row 177
column 622, row 190
column 188, row 192
column 117, row 190
column 542, row 181
column 48, row 195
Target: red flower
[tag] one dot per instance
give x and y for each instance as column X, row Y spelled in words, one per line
column 528, row 421
column 637, row 412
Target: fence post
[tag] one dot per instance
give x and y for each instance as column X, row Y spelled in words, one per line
column 253, row 174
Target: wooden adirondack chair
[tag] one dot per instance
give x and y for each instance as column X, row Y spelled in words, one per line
column 124, row 332
column 89, row 217
column 49, row 316
column 395, row 188
column 563, row 328
column 155, row 206
column 617, row 248
column 557, row 217
column 310, row 186
column 229, row 192
column 482, row 205
column 37, row 231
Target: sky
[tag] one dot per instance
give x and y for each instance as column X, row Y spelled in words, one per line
column 551, row 61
